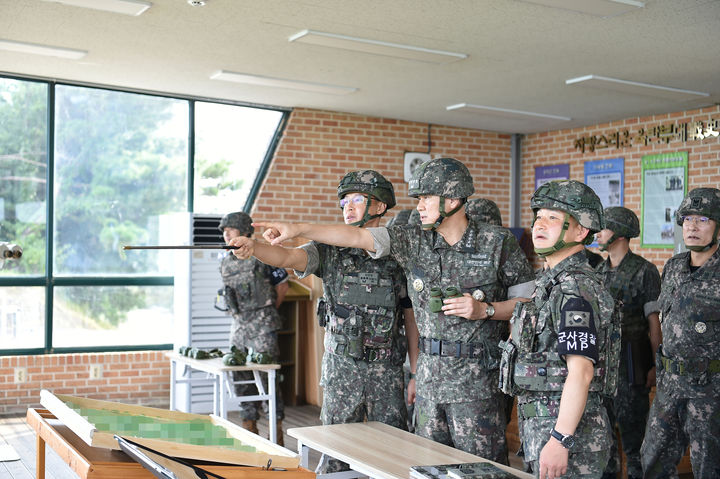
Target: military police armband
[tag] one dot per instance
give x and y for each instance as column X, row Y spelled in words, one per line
column 577, row 333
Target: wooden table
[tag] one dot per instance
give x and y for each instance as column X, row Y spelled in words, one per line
column 223, row 384
column 380, row 451
column 99, row 463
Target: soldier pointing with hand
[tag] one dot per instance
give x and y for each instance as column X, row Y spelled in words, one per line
column 464, row 278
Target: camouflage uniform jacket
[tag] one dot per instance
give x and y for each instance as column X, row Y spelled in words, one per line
column 636, row 282
column 362, row 296
column 690, row 322
column 253, row 287
column 486, row 258
column 540, row 372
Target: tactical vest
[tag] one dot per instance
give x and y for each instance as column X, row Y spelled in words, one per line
column 523, row 368
column 620, row 285
column 246, row 279
column 361, row 311
column 690, row 309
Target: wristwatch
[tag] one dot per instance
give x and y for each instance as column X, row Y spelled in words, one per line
column 567, row 440
column 489, row 310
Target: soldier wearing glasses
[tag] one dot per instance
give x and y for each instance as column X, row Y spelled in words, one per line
column 686, row 409
column 364, row 305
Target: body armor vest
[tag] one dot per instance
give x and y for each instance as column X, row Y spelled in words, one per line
column 525, row 368
column 247, row 282
column 621, row 287
column 362, row 308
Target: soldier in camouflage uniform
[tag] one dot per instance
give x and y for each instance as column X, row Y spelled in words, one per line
column 636, row 282
column 486, row 211
column 686, row 409
column 401, row 218
column 253, row 292
column 364, row 303
column 461, row 273
column 558, row 361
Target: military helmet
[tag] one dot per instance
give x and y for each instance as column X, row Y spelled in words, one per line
column 414, row 218
column 445, row 177
column 401, row 218
column 701, row 202
column 574, row 198
column 368, row 181
column 238, row 220
column 484, row 210
column 622, row 221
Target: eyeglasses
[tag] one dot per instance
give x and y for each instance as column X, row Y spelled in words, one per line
column 698, row 220
column 355, row 200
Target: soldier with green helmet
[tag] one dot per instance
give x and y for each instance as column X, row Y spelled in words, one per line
column 402, row 217
column 253, row 291
column 485, row 210
column 364, row 305
column 687, row 400
column 636, row 282
column 559, row 361
column 461, row 274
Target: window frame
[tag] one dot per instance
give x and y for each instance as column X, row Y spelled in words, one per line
column 49, row 281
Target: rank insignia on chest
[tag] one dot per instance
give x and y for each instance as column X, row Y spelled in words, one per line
column 418, row 285
column 700, row 327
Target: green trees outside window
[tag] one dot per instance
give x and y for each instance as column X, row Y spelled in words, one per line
column 120, row 167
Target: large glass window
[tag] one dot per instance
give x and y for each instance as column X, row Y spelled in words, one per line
column 23, row 173
column 120, row 163
column 118, row 173
column 112, row 315
column 22, row 317
column 230, row 145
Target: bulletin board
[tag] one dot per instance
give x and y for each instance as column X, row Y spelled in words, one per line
column 607, row 179
column 664, row 185
column 543, row 174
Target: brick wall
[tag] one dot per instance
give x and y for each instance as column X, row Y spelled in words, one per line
column 558, row 147
column 141, row 377
column 319, row 147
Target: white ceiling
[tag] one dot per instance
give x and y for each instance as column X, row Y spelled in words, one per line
column 520, row 55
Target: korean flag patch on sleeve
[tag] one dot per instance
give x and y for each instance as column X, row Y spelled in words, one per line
column 576, row 332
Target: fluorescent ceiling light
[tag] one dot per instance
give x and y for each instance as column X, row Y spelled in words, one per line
column 503, row 112
column 41, row 50
column 600, row 8
column 636, row 88
column 375, row 47
column 282, row 83
column 126, row 7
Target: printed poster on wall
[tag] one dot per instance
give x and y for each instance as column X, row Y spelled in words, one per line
column 664, row 184
column 606, row 178
column 543, row 174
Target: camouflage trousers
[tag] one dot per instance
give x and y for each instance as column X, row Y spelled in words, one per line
column 628, row 411
column 477, row 427
column 261, row 341
column 591, row 451
column 582, row 464
column 674, row 424
column 356, row 390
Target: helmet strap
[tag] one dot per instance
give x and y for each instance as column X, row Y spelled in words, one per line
column 701, row 249
column 604, row 246
column 366, row 215
column 443, row 214
column 560, row 243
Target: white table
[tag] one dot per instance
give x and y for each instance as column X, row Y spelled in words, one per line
column 223, row 384
column 379, row 451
